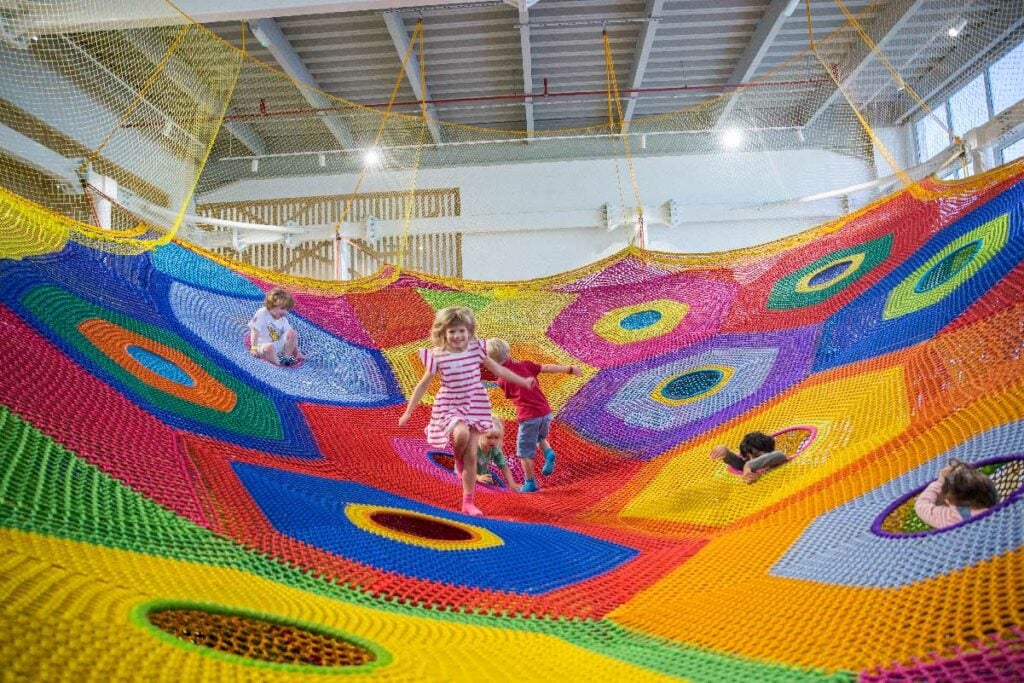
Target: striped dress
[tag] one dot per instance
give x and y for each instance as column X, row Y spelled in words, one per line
column 462, row 397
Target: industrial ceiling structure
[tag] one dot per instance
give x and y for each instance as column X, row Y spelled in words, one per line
column 539, row 67
column 542, row 67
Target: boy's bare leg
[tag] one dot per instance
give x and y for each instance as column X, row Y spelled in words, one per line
column 527, row 464
column 291, row 343
column 269, row 354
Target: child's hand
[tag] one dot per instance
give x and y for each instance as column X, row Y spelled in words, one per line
column 575, row 370
column 254, row 351
column 750, row 477
column 404, row 420
column 944, row 472
column 719, row 452
column 485, row 479
column 529, row 382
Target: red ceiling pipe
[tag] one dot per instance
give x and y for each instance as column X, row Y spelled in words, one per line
column 545, row 93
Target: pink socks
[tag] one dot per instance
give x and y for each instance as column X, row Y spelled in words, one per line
column 468, row 508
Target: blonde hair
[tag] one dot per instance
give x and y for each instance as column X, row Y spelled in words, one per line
column 278, row 297
column 451, row 317
column 499, row 426
column 498, row 350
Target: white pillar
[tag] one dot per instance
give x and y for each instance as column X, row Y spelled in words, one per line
column 105, row 191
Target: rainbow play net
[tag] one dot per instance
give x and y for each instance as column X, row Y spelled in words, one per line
column 173, row 509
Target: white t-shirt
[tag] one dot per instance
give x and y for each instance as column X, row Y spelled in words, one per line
column 267, row 330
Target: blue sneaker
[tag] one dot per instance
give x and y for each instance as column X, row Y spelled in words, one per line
column 549, row 463
column 529, row 486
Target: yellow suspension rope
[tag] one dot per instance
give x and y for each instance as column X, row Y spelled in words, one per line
column 416, row 34
column 609, row 65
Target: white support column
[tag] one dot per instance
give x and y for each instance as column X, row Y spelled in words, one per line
column 524, row 46
column 105, row 191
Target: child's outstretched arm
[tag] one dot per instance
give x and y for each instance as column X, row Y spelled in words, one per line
column 417, row 396
column 500, row 371
column 510, row 481
column 566, row 369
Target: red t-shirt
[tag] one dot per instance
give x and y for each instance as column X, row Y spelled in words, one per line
column 530, row 403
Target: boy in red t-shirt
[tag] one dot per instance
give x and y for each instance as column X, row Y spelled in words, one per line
column 532, row 410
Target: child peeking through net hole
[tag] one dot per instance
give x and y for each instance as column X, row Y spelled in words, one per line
column 960, row 493
column 757, row 456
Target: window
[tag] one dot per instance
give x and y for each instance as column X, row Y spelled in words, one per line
column 990, row 93
column 1005, row 76
column 932, row 136
column 1014, row 151
column 968, row 108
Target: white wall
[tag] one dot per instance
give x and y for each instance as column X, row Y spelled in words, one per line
column 534, row 219
column 900, row 146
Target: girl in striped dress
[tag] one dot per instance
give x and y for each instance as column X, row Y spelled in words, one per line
column 462, row 409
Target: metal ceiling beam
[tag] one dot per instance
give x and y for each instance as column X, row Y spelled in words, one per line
column 188, row 82
column 527, row 52
column 962, row 58
column 413, row 70
column 771, row 22
column 113, row 15
column 42, row 158
column 249, row 138
column 882, row 30
column 270, row 36
column 643, row 54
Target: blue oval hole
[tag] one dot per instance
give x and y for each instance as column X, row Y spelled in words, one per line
column 830, row 273
column 947, row 268
column 691, row 384
column 160, row 366
column 640, row 320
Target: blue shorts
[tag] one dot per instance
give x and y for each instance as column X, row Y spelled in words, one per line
column 530, row 434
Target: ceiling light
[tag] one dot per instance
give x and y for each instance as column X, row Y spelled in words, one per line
column 954, row 31
column 255, row 166
column 322, row 160
column 371, row 157
column 732, row 138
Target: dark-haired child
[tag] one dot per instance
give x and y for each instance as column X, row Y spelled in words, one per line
column 757, row 455
column 960, row 492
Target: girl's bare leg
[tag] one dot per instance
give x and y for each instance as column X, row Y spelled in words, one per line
column 465, row 439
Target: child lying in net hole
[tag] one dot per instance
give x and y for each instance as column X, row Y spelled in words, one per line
column 757, row 455
column 960, row 493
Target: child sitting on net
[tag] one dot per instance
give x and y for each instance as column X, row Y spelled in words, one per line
column 489, row 451
column 271, row 336
column 960, row 493
column 532, row 410
column 757, row 455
